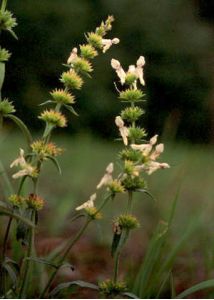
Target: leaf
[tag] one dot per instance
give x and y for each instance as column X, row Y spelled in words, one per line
column 147, row 193
column 2, row 74
column 115, row 243
column 13, row 262
column 42, row 261
column 195, row 288
column 56, row 163
column 71, row 109
column 66, row 285
column 6, row 212
column 130, row 295
column 46, row 102
column 11, row 273
column 13, row 34
column 22, row 126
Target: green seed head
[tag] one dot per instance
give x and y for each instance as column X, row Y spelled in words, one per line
column 82, row 65
column 6, row 107
column 53, row 118
column 132, row 114
column 136, row 134
column 131, row 95
column 111, row 289
column 115, row 186
column 95, row 40
column 7, row 22
column 71, row 80
column 127, row 221
column 4, row 55
column 88, row 51
column 63, row 97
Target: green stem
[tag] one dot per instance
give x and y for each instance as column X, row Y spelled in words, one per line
column 6, row 238
column 28, row 262
column 3, row 5
column 69, row 246
column 123, row 240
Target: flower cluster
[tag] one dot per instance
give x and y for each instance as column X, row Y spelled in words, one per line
column 32, row 201
column 137, row 157
column 79, row 65
column 44, row 150
column 111, row 289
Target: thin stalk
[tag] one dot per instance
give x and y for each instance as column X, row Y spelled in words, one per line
column 124, row 239
column 3, row 5
column 6, row 238
column 28, row 262
column 70, row 245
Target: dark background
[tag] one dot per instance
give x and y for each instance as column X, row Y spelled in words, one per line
column 176, row 37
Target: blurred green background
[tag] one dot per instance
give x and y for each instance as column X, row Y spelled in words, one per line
column 176, row 37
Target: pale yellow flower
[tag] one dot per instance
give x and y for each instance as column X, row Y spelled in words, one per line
column 124, row 132
column 153, row 166
column 73, row 56
column 89, row 203
column 139, row 69
column 26, row 169
column 119, row 70
column 107, row 176
column 107, row 43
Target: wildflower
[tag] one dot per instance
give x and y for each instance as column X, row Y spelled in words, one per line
column 105, row 26
column 130, row 169
column 111, row 289
column 62, row 96
column 107, row 43
column 43, row 150
column 71, row 80
column 4, row 55
column 93, row 213
column 119, row 70
column 94, row 40
column 26, row 169
column 82, row 65
column 124, row 132
column 89, row 203
column 145, row 148
column 132, row 114
column 107, row 176
column 72, row 57
column 35, row 202
column 6, row 107
column 128, row 222
column 139, row 69
column 88, row 51
column 153, row 166
column 16, row 200
column 131, row 95
column 53, row 118
column 115, row 186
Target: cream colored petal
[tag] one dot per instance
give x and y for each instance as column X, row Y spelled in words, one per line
column 141, row 61
column 110, row 168
column 73, row 56
column 124, row 134
column 153, row 140
column 115, row 41
column 115, row 64
column 119, row 121
column 89, row 203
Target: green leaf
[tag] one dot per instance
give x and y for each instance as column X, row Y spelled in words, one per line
column 46, row 102
column 56, row 163
column 22, row 126
column 42, row 261
column 115, row 243
column 147, row 193
column 195, row 288
column 7, row 212
column 71, row 109
column 11, row 273
column 66, row 285
column 13, row 34
column 2, row 74
column 130, row 295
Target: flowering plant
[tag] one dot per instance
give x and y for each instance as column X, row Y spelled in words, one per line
column 138, row 156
